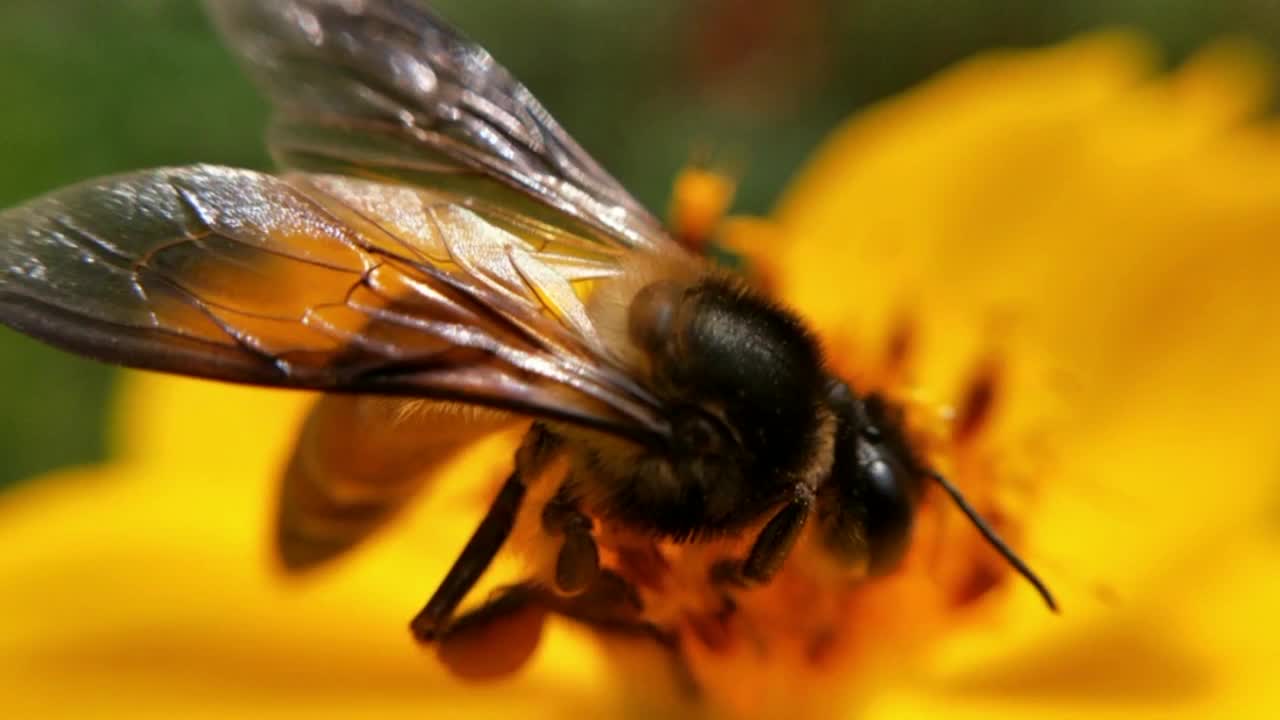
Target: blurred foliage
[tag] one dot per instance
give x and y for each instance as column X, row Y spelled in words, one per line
column 92, row 88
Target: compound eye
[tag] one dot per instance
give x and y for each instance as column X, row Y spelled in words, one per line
column 889, row 513
column 652, row 313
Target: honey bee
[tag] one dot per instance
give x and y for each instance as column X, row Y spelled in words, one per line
column 442, row 260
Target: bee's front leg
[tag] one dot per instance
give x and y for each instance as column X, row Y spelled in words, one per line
column 771, row 546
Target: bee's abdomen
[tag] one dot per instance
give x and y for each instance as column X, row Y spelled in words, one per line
column 357, row 461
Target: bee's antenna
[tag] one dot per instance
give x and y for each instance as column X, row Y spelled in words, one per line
column 994, row 540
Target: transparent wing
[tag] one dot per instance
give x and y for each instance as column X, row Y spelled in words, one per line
column 320, row 282
column 386, row 87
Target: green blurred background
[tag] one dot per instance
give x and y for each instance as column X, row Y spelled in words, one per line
column 93, row 87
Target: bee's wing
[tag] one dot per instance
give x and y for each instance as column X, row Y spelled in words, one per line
column 386, row 87
column 318, row 282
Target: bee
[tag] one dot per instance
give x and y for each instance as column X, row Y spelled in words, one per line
column 441, row 260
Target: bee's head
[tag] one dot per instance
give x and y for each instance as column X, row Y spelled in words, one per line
column 744, row 383
column 875, row 483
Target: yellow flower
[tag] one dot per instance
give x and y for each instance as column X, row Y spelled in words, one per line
column 1065, row 237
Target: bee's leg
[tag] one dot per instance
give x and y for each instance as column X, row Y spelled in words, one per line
column 613, row 606
column 578, row 562
column 536, row 448
column 610, row 604
column 771, row 546
column 498, row 637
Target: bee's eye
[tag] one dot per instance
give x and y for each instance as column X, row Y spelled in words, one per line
column 889, row 512
column 652, row 314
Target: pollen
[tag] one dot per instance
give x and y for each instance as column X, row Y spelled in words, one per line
column 699, row 199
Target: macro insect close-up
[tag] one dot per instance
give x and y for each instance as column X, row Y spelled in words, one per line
column 739, row 466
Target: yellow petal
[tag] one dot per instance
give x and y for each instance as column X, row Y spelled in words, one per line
column 1109, row 232
column 1064, row 195
column 1193, row 645
column 176, row 422
column 146, row 587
